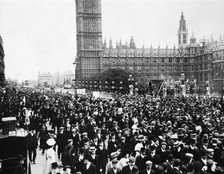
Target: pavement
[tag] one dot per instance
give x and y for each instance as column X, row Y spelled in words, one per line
column 40, row 161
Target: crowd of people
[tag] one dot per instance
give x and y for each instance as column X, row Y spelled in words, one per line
column 124, row 135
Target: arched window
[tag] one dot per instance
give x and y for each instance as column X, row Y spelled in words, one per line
column 184, row 39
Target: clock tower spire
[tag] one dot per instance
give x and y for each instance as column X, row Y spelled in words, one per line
column 182, row 33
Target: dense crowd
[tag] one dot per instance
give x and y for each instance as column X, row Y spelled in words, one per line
column 124, row 135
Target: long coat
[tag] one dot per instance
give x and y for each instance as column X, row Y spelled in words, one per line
column 111, row 171
column 32, row 141
column 145, row 172
column 90, row 170
column 127, row 170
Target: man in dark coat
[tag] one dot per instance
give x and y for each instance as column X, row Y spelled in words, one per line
column 95, row 159
column 61, row 142
column 112, row 145
column 76, row 139
column 114, row 169
column 68, row 154
column 32, row 143
column 130, row 168
column 148, row 169
column 176, row 167
column 102, row 153
column 141, row 160
column 89, row 167
column 79, row 161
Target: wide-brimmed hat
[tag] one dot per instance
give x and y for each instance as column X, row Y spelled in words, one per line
column 189, row 155
column 114, row 155
column 148, row 162
column 92, row 148
column 51, row 142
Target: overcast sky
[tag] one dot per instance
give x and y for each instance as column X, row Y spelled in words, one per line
column 40, row 35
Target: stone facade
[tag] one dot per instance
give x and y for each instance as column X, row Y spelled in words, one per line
column 196, row 60
column 55, row 79
column 2, row 64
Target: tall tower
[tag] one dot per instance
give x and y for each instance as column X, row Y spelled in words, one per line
column 182, row 33
column 2, row 64
column 89, row 38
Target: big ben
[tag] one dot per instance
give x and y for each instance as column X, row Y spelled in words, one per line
column 89, row 38
column 2, row 64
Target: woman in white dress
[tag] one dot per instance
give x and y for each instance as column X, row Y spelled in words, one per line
column 50, row 156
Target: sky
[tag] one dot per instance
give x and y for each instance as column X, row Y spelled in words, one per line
column 40, row 35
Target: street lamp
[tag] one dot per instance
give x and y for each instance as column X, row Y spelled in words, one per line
column 106, row 85
column 75, row 66
column 112, row 87
column 100, row 85
column 136, row 88
column 121, row 86
column 131, row 86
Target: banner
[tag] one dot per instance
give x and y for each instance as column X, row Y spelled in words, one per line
column 81, row 91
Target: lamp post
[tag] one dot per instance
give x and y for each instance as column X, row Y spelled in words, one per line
column 106, row 86
column 100, row 85
column 131, row 86
column 200, row 90
column 113, row 87
column 121, row 86
column 136, row 88
column 75, row 66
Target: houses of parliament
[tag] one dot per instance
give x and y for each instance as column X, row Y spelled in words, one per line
column 201, row 62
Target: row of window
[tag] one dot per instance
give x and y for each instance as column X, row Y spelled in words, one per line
column 200, row 66
column 161, row 60
column 91, row 6
column 91, row 25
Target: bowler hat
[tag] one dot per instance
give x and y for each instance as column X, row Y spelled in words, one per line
column 132, row 159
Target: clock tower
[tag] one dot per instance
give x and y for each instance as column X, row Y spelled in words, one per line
column 89, row 38
column 182, row 33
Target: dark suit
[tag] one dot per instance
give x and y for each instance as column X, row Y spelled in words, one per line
column 145, row 171
column 102, row 158
column 32, row 143
column 112, row 146
column 127, row 170
column 90, row 170
column 140, row 162
column 78, row 164
column 111, row 171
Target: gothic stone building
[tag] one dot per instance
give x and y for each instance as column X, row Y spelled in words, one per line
column 199, row 62
column 2, row 64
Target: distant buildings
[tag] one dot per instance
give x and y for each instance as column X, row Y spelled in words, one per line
column 201, row 62
column 2, row 64
column 49, row 79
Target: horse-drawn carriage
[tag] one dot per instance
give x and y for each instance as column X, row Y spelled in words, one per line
column 12, row 145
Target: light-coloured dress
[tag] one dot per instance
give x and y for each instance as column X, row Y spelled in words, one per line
column 50, row 158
